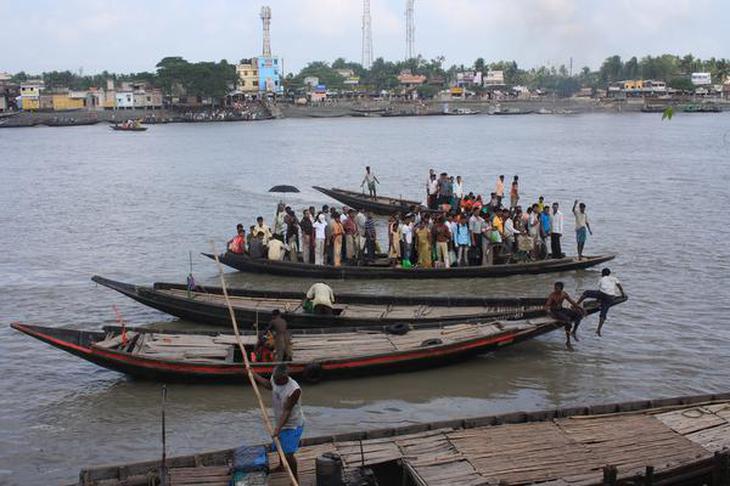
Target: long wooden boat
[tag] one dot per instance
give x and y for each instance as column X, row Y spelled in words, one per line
column 119, row 128
column 682, row 440
column 379, row 205
column 244, row 263
column 318, row 354
column 207, row 305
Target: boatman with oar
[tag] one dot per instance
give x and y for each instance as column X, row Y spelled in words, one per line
column 288, row 416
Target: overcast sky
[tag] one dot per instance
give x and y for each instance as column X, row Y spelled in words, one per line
column 133, row 35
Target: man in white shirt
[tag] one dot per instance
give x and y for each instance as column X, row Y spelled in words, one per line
column 458, row 191
column 556, row 231
column 370, row 180
column 322, row 298
column 609, row 289
column 276, row 249
column 320, row 236
column 407, row 236
column 582, row 226
column 286, row 401
column 510, row 232
column 262, row 229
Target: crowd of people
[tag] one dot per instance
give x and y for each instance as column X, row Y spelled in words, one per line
column 454, row 228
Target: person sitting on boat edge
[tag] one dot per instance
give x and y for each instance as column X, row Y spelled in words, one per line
column 237, row 244
column 321, row 299
column 286, row 395
column 609, row 289
column 554, row 307
column 276, row 250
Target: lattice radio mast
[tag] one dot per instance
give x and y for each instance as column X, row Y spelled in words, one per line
column 367, row 36
column 266, row 20
column 410, row 31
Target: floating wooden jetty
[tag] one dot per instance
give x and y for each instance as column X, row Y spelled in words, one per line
column 673, row 441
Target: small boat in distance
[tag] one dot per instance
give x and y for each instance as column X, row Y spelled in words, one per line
column 129, row 126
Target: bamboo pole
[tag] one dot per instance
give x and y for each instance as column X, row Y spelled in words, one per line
column 251, row 379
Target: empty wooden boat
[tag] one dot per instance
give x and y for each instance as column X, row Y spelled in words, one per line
column 670, row 441
column 317, row 354
column 207, row 305
column 378, row 205
column 244, row 263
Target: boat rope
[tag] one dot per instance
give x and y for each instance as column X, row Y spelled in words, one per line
column 254, row 385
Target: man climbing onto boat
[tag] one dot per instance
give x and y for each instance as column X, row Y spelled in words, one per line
column 322, row 299
column 609, row 289
column 286, row 397
column 282, row 342
column 370, row 180
column 570, row 317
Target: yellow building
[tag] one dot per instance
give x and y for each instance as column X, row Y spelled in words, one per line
column 65, row 102
column 30, row 95
column 248, row 76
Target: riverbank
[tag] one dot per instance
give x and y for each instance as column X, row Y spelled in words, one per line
column 264, row 110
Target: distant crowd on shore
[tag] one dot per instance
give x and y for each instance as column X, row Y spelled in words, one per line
column 453, row 229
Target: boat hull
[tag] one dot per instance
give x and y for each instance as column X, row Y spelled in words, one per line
column 244, row 263
column 218, row 315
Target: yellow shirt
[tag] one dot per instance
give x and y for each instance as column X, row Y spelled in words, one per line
column 498, row 224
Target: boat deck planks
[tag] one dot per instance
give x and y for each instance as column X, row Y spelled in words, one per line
column 560, row 452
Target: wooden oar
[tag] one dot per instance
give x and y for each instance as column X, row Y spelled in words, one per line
column 251, row 379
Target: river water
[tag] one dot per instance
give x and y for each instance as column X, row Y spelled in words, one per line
column 85, row 200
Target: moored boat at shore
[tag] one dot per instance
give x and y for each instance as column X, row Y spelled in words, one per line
column 207, row 305
column 378, row 205
column 317, row 354
column 245, row 263
column 677, row 441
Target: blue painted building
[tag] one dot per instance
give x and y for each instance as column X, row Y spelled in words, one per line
column 270, row 75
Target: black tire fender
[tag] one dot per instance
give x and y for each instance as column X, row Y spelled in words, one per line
column 432, row 342
column 399, row 329
column 312, row 373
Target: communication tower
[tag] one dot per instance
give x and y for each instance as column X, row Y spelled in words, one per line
column 266, row 20
column 410, row 31
column 367, row 36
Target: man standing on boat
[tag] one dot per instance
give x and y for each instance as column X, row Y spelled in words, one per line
column 282, row 342
column 556, row 231
column 570, row 317
column 370, row 180
column 286, row 397
column 582, row 226
column 499, row 190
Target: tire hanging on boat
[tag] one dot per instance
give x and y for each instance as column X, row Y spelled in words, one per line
column 312, row 373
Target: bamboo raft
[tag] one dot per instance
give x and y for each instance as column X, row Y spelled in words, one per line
column 674, row 441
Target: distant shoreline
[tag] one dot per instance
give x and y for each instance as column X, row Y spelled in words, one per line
column 341, row 109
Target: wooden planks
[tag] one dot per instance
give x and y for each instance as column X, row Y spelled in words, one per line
column 708, row 425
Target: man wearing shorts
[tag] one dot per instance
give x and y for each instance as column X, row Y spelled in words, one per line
column 609, row 289
column 582, row 226
column 288, row 416
column 569, row 317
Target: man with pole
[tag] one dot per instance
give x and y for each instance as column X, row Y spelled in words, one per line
column 288, row 416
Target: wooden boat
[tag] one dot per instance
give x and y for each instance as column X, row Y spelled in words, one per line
column 318, row 354
column 379, row 205
column 668, row 441
column 69, row 123
column 701, row 108
column 207, row 305
column 120, row 128
column 244, row 263
column 512, row 111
